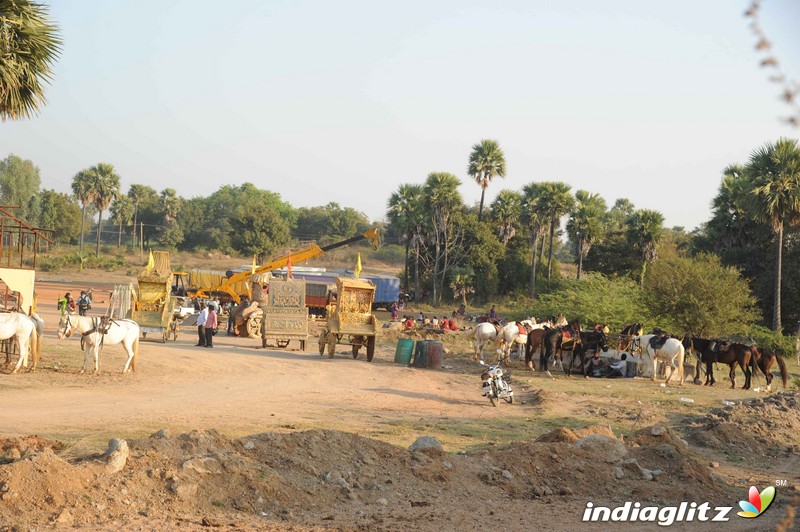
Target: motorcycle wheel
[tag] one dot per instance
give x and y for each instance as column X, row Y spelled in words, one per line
column 493, row 400
column 509, row 399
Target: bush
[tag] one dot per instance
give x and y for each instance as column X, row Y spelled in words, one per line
column 772, row 340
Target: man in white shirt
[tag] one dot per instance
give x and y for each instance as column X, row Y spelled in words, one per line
column 617, row 368
column 201, row 322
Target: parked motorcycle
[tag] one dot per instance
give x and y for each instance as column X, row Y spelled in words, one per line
column 495, row 384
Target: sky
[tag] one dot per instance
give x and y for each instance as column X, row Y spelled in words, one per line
column 344, row 101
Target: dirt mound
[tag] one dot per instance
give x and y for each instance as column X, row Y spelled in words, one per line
column 273, row 480
column 12, row 449
column 755, row 424
column 563, row 434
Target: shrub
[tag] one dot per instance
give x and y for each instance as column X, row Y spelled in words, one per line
column 772, row 340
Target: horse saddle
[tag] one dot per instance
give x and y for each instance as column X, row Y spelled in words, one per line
column 657, row 342
column 522, row 330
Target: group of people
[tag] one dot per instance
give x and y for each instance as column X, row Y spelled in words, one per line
column 207, row 322
column 67, row 303
column 598, row 368
column 444, row 324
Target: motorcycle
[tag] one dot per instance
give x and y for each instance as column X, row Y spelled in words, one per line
column 495, row 384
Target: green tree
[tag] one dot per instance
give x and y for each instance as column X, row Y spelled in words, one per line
column 699, row 295
column 105, row 188
column 612, row 254
column 461, row 283
column 140, row 195
column 533, row 216
column 486, row 162
column 121, row 214
column 441, row 200
column 19, row 186
column 405, row 213
column 258, row 230
column 585, row 224
column 506, row 210
column 556, row 197
column 83, row 189
column 59, row 213
column 775, row 171
column 29, row 44
column 330, row 222
column 645, row 228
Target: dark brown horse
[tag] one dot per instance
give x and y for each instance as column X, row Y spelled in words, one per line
column 593, row 340
column 533, row 345
column 556, row 341
column 766, row 358
column 733, row 354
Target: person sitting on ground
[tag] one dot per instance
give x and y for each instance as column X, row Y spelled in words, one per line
column 408, row 323
column 595, row 368
column 453, row 326
column 617, row 368
column 445, row 325
column 435, row 322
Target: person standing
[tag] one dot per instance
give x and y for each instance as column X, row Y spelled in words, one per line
column 201, row 331
column 492, row 314
column 84, row 303
column 394, row 311
column 62, row 303
column 211, row 324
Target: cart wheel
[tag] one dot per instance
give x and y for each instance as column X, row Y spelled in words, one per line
column 331, row 344
column 370, row 348
column 282, row 343
column 355, row 350
column 254, row 327
column 322, row 342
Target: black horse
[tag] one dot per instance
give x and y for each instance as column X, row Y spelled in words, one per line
column 590, row 341
column 559, row 339
column 733, row 354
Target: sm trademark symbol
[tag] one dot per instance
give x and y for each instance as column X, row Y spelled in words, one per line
column 781, row 483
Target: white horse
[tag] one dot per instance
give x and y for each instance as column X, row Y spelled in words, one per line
column 117, row 331
column 672, row 352
column 509, row 334
column 23, row 328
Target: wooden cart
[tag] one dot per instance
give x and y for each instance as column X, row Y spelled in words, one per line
column 153, row 307
column 285, row 316
column 350, row 318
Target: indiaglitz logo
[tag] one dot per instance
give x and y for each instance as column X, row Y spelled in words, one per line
column 758, row 502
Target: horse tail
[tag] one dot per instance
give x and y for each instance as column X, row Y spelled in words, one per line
column 36, row 346
column 782, row 366
column 135, row 352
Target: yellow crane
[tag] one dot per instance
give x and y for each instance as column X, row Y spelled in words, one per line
column 312, row 251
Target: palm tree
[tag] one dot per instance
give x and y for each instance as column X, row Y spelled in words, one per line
column 485, row 163
column 506, row 209
column 105, row 190
column 461, row 282
column 645, row 228
column 775, row 171
column 441, row 199
column 83, row 189
column 558, row 201
column 585, row 225
column 138, row 194
column 121, row 214
column 730, row 205
column 405, row 213
column 29, row 44
column 533, row 214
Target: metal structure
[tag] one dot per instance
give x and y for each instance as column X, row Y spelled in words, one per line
column 285, row 316
column 350, row 318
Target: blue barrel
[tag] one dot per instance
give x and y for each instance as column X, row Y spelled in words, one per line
column 405, row 348
column 421, row 354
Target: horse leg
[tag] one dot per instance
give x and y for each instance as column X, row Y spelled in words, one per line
column 747, row 373
column 22, row 344
column 129, row 352
column 87, row 348
column 733, row 375
column 655, row 366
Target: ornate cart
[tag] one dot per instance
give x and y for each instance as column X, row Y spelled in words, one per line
column 152, row 308
column 350, row 318
column 285, row 316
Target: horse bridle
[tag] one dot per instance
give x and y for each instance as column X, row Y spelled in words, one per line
column 67, row 326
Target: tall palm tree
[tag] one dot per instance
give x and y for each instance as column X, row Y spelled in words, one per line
column 731, row 205
column 775, row 171
column 29, row 44
column 506, row 210
column 585, row 224
column 121, row 214
column 441, row 199
column 83, row 189
column 405, row 212
column 533, row 216
column 105, row 190
column 138, row 194
column 558, row 200
column 645, row 228
column 486, row 162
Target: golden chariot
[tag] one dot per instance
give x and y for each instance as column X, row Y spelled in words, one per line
column 350, row 318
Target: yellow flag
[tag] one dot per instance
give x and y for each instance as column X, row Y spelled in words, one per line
column 151, row 262
column 358, row 266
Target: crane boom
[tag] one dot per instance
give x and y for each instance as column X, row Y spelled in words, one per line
column 312, row 251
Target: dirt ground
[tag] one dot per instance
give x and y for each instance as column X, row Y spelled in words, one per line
column 239, row 437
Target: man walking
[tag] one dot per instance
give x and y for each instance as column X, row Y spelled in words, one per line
column 211, row 324
column 201, row 331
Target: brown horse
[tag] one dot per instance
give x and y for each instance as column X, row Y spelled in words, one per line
column 765, row 359
column 534, row 344
column 732, row 354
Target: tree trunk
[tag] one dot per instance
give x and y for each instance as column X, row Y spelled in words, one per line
column 580, row 258
column 776, row 313
column 408, row 244
column 119, row 240
column 436, row 271
column 644, row 269
column 532, row 287
column 83, row 220
column 135, row 213
column 416, row 273
column 550, row 251
column 99, row 227
column 480, row 209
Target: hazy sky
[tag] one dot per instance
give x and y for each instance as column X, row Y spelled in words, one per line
column 343, row 101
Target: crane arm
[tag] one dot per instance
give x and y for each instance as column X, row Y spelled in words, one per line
column 312, row 251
